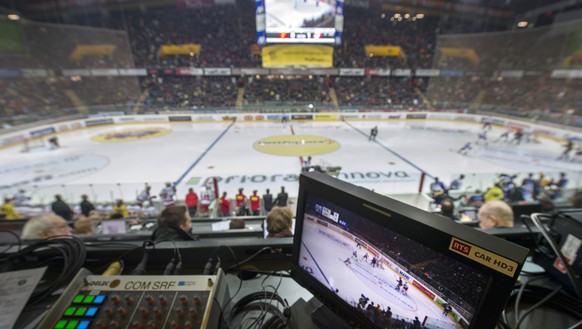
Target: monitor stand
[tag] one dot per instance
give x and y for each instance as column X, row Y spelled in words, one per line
column 314, row 315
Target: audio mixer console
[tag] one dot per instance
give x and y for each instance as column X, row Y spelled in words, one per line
column 148, row 302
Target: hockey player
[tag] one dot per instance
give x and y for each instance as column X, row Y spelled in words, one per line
column 373, row 134
column 504, row 135
column 240, row 203
column 517, row 136
column 167, row 194
column 405, row 289
column 447, row 309
column 144, row 196
column 568, row 147
column 255, row 201
column 224, row 205
column 399, row 284
column 466, row 148
column 347, row 261
column 482, row 137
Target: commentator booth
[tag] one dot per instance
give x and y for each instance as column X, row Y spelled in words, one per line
column 357, row 259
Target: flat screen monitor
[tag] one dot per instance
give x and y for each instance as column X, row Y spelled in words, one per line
column 375, row 260
column 299, row 21
column 524, row 209
column 115, row 226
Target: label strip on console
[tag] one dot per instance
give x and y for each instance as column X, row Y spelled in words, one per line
column 484, row 257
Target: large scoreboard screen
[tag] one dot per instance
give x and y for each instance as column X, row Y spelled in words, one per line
column 299, row 21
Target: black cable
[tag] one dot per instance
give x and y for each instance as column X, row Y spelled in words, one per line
column 577, row 325
column 538, row 304
column 248, row 258
column 11, row 245
column 571, row 275
column 561, row 301
column 520, row 293
column 70, row 251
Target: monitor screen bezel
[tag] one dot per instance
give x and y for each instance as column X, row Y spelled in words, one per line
column 410, row 222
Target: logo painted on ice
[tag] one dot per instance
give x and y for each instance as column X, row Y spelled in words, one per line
column 50, row 172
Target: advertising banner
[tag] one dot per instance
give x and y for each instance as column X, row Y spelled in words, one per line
column 427, row 73
column 191, row 49
column 189, row 71
column 378, row 72
column 133, row 72
column 297, row 55
column 384, row 51
column 78, row 72
column 352, row 72
column 217, row 71
column 104, row 72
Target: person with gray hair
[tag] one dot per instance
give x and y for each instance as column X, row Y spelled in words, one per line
column 45, row 226
column 495, row 214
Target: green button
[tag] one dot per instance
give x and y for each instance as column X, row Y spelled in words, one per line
column 70, row 311
column 61, row 324
column 88, row 299
column 72, row 324
column 78, row 299
column 80, row 311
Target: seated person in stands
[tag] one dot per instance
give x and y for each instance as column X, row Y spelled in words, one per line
column 577, row 200
column 84, row 225
column 495, row 214
column 7, row 210
column 174, row 223
column 448, row 209
column 237, row 223
column 45, row 226
column 120, row 208
column 279, row 222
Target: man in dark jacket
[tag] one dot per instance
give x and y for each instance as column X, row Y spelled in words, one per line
column 267, row 201
column 174, row 224
column 281, row 200
column 62, row 209
column 86, row 205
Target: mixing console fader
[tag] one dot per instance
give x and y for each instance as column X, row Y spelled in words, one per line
column 139, row 302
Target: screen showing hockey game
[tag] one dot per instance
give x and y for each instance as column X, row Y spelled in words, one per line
column 301, row 21
column 385, row 275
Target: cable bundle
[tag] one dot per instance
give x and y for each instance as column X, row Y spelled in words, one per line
column 70, row 253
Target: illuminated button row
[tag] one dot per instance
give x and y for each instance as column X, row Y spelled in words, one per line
column 72, row 324
column 80, row 299
column 81, row 311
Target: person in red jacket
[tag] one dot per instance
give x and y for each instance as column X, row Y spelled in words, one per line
column 224, row 205
column 241, row 206
column 255, row 201
column 192, row 202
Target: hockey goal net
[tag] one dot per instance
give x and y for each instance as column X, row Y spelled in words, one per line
column 31, row 144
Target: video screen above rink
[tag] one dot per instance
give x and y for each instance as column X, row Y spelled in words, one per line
column 299, row 21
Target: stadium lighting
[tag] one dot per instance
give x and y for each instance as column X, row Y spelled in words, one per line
column 383, row 16
column 419, row 16
column 392, row 19
column 13, row 17
column 310, row 106
column 522, row 24
column 413, row 19
column 407, row 16
column 191, row 54
column 400, row 19
column 397, row 15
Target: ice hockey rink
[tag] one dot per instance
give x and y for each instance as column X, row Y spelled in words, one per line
column 293, row 13
column 261, row 155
